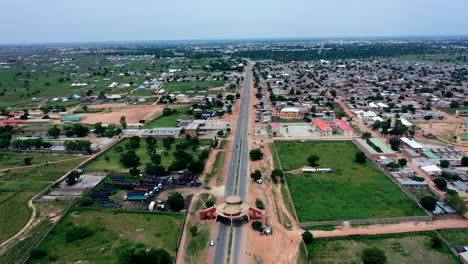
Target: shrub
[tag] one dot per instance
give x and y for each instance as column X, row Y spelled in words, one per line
column 257, row 225
column 436, row 242
column 176, row 201
column 441, row 183
column 259, row 204
column 37, row 253
column 373, row 256
column 313, row 160
column 78, row 232
column 307, row 237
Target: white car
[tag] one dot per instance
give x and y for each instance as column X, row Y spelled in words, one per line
column 212, row 242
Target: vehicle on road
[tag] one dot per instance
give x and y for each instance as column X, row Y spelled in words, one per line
column 232, row 164
column 212, row 242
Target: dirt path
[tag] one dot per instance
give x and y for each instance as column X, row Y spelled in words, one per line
column 393, row 228
column 40, row 164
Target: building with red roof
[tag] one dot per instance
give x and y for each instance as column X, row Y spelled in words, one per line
column 343, row 127
column 323, row 127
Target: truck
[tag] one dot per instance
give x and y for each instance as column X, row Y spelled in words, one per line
column 135, row 198
column 151, row 206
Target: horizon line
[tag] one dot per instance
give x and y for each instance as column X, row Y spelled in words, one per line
column 389, row 37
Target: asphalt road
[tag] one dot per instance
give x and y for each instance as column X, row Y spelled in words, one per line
column 236, row 181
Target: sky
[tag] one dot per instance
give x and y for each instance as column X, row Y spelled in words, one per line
column 52, row 21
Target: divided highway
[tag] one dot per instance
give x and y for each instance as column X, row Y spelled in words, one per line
column 236, row 181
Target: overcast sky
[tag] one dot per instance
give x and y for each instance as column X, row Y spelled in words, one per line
column 39, row 21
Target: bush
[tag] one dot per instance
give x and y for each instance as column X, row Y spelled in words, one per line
column 37, row 253
column 130, row 159
column 373, row 256
column 256, row 175
column 275, row 174
column 77, row 233
column 313, row 160
column 428, row 202
column 85, row 201
column 259, row 204
column 444, row 163
column 436, row 242
column 142, row 254
column 27, row 161
column 360, row 157
column 134, row 171
column 307, row 237
column 193, row 229
column 257, row 225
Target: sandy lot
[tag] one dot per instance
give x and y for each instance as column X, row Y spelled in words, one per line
column 133, row 113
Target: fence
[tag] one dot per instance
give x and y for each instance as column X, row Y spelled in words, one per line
column 370, row 221
column 43, row 151
column 318, row 138
column 179, row 239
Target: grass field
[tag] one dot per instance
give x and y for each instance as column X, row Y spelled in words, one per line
column 168, row 121
column 455, row 237
column 114, row 157
column 190, row 86
column 350, row 191
column 398, row 248
column 22, row 184
column 110, row 231
column 11, row 160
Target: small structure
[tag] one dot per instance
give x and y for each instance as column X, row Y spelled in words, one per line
column 72, row 118
column 232, row 208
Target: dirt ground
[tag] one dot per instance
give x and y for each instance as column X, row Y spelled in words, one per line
column 133, row 114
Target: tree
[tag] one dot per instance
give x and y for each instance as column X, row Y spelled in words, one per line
column 394, row 143
column 220, row 133
column 27, row 161
column 130, row 159
column 276, row 173
column 196, row 166
column 167, row 142
column 255, row 154
column 366, row 135
column 156, row 159
column 456, row 202
column 428, row 202
column 256, row 175
column 441, row 183
column 176, row 201
column 313, row 160
column 99, row 129
column 193, row 229
column 339, row 113
column 307, row 237
column 72, row 177
column 142, row 254
column 134, row 171
column 123, row 122
column 53, row 132
column 361, row 157
column 464, row 161
column 402, row 162
column 373, row 256
column 444, row 163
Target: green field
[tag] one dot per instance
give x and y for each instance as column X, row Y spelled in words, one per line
column 190, row 86
column 350, row 191
column 114, row 157
column 455, row 237
column 21, row 184
column 10, row 160
column 398, row 248
column 110, row 230
column 168, row 121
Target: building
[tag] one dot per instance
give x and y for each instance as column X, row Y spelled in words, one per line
column 163, row 131
column 72, row 119
column 344, row 128
column 323, row 127
column 461, row 112
column 38, row 121
column 192, row 129
column 290, row 112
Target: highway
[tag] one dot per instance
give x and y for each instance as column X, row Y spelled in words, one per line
column 236, row 181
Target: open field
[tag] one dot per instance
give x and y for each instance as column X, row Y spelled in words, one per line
column 22, row 184
column 114, row 157
column 350, row 191
column 110, row 230
column 10, row 160
column 455, row 237
column 133, row 114
column 168, row 121
column 398, row 248
column 190, row 86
